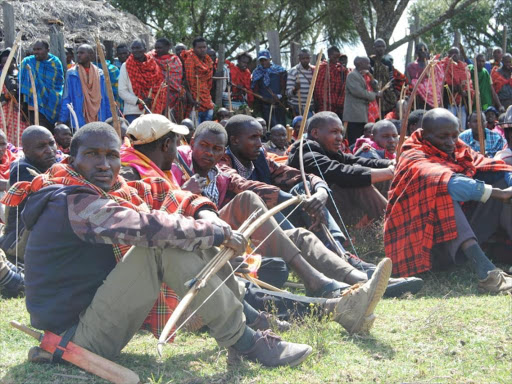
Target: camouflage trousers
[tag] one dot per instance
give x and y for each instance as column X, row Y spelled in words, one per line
column 129, row 292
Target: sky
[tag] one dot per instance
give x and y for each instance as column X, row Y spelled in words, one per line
column 402, row 28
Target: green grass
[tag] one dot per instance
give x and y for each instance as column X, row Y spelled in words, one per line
column 446, row 334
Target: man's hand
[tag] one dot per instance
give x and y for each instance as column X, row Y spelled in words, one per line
column 501, row 109
column 382, row 174
column 314, row 206
column 213, row 218
column 504, row 195
column 195, row 184
column 236, row 242
column 238, row 262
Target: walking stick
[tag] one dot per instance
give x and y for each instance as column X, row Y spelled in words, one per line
column 299, row 98
column 434, row 88
column 229, row 98
column 34, row 95
column 468, row 81
column 7, row 64
column 481, row 131
column 110, row 93
column 269, row 126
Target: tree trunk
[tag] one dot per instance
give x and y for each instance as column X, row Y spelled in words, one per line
column 273, row 44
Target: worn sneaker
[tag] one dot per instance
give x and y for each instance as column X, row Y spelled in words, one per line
column 269, row 350
column 267, row 321
column 14, row 287
column 39, row 356
column 398, row 286
column 497, row 281
column 354, row 309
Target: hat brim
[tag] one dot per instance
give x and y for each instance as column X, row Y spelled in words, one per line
column 180, row 129
column 264, row 57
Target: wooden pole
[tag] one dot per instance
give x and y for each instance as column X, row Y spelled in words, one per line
column 34, row 95
column 274, row 46
column 434, row 88
column 108, row 84
column 9, row 28
column 481, row 131
column 294, row 53
column 505, row 30
column 57, row 45
column 220, row 73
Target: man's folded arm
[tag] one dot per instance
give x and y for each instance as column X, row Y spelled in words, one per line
column 100, row 220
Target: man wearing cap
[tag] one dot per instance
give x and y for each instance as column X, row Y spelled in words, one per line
column 74, row 285
column 269, row 81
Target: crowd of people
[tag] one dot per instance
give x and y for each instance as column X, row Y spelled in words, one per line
column 102, row 229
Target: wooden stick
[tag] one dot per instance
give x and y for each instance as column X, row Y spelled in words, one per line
column 75, row 117
column 34, row 95
column 153, row 105
column 4, row 122
column 108, row 84
column 7, row 64
column 412, row 99
column 229, row 98
column 262, row 284
column 299, row 99
column 481, row 131
column 468, row 80
column 434, row 88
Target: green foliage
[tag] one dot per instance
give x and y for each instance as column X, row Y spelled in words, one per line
column 238, row 23
column 480, row 24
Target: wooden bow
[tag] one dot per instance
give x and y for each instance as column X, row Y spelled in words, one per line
column 9, row 59
column 216, row 263
column 34, row 95
column 326, row 231
column 412, row 97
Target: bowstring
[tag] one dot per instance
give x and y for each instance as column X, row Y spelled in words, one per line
column 334, row 204
column 18, row 62
column 232, row 272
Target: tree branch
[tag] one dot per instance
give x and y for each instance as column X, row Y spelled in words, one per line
column 450, row 12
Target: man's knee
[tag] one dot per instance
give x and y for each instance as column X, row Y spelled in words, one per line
column 251, row 199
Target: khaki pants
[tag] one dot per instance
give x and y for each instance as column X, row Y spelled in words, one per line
column 127, row 295
column 4, row 268
column 285, row 244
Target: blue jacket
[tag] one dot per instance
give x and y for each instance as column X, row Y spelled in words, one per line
column 73, row 95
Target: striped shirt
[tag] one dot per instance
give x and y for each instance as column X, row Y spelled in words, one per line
column 304, row 77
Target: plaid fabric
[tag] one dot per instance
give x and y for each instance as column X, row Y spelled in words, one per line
column 329, row 92
column 147, row 79
column 264, row 73
column 113, row 74
column 5, row 164
column 10, row 108
column 499, row 81
column 240, row 78
column 144, row 165
column 244, row 171
column 141, row 196
column 199, row 76
column 494, row 142
column 399, row 79
column 49, row 80
column 457, row 74
column 373, row 106
column 173, row 73
column 425, row 88
column 420, row 211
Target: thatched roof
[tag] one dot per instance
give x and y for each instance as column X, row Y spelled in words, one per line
column 79, row 20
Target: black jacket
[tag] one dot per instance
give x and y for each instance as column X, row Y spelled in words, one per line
column 340, row 169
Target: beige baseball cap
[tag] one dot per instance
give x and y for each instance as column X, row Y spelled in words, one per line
column 148, row 128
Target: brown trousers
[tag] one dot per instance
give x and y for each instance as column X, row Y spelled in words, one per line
column 284, row 244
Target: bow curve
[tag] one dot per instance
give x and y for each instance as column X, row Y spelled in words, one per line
column 247, row 228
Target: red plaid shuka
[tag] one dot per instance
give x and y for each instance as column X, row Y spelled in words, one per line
column 399, row 79
column 199, row 75
column 420, row 211
column 147, row 80
column 240, row 78
column 498, row 80
column 173, row 72
column 457, row 75
column 329, row 92
column 149, row 194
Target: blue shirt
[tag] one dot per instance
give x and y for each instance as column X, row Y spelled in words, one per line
column 494, row 142
column 462, row 188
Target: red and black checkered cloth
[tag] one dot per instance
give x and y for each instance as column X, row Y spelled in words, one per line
column 420, row 212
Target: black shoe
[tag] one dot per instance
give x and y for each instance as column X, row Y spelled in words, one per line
column 15, row 287
column 359, row 264
column 397, row 287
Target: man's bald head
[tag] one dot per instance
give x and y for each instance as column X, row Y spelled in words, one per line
column 441, row 129
column 437, row 116
column 39, row 147
column 278, row 135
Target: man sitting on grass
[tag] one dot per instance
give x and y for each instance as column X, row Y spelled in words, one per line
column 424, row 218
column 76, row 213
column 381, row 144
